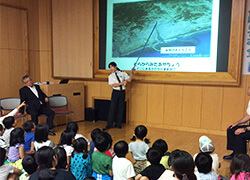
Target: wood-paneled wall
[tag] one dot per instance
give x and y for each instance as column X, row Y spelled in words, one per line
column 13, row 49
column 196, row 108
column 72, row 24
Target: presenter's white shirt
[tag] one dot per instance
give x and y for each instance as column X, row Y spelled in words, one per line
column 122, row 168
column 113, row 79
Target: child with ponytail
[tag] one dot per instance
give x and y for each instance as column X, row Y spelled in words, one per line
column 139, row 148
column 80, row 159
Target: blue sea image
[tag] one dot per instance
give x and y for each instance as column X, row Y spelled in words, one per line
column 200, row 40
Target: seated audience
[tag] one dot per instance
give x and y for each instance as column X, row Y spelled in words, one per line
column 206, row 146
column 66, row 140
column 139, row 148
column 41, row 137
column 72, row 126
column 61, row 158
column 7, row 170
column 2, row 141
column 122, row 168
column 9, row 124
column 203, row 163
column 110, row 152
column 16, row 150
column 155, row 170
column 29, row 165
column 183, row 165
column 29, row 139
column 101, row 163
column 163, row 147
column 80, row 160
column 168, row 173
column 94, row 134
column 47, row 160
column 240, row 167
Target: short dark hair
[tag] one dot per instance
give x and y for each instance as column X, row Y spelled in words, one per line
column 203, row 162
column 8, row 122
column 66, row 137
column 1, row 127
column 61, row 158
column 171, row 156
column 25, row 77
column 41, row 133
column 16, row 136
column 102, row 142
column 183, row 164
column 240, row 163
column 95, row 133
column 154, row 156
column 72, row 126
column 161, row 145
column 28, row 126
column 2, row 155
column 81, row 146
column 29, row 163
column 121, row 148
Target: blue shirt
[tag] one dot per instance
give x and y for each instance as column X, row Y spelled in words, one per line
column 28, row 139
column 80, row 167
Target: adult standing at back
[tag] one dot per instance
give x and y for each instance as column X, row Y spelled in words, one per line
column 36, row 102
column 118, row 80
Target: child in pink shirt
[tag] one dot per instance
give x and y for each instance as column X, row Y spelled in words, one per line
column 240, row 167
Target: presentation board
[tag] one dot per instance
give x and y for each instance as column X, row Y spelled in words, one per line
column 185, row 38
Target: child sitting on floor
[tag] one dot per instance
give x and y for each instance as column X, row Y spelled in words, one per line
column 61, row 158
column 163, row 147
column 29, row 139
column 101, row 163
column 7, row 170
column 66, row 140
column 29, row 165
column 203, row 163
column 9, row 124
column 122, row 168
column 139, row 148
column 94, row 134
column 240, row 167
column 206, row 146
column 80, row 160
column 155, row 170
column 41, row 137
column 2, row 141
column 16, row 150
column 72, row 126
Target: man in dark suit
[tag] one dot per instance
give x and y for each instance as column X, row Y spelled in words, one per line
column 36, row 102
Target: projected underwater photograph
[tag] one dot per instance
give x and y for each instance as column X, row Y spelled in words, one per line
column 183, row 28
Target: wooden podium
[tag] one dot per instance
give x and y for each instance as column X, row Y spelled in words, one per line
column 76, row 100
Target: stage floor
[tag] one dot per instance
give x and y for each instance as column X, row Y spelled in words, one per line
column 175, row 139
